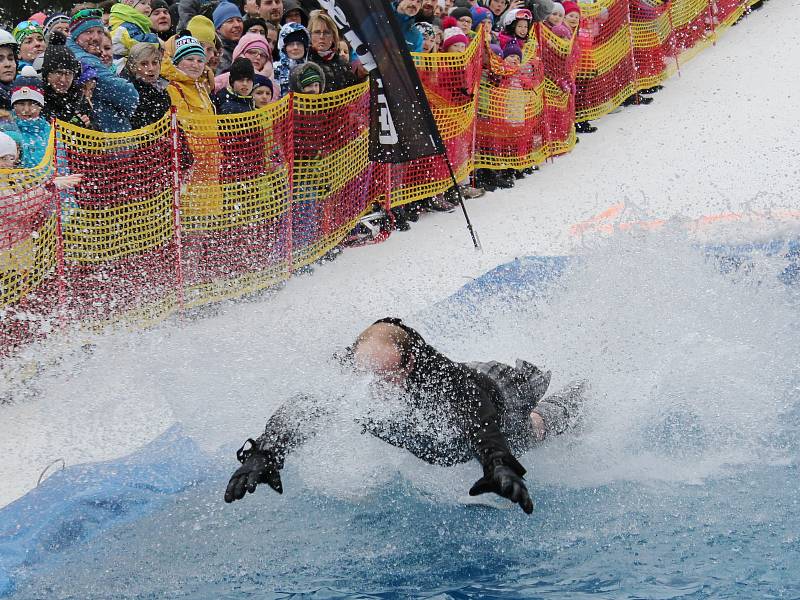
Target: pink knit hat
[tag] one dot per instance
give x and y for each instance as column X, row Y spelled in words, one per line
column 453, row 35
column 252, row 40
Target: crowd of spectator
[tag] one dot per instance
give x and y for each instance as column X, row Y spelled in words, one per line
column 120, row 65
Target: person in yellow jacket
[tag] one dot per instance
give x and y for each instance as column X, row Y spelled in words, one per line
column 202, row 29
column 185, row 71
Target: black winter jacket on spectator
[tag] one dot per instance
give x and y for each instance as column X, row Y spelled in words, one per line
column 154, row 101
column 5, row 96
column 338, row 74
column 229, row 103
column 68, row 107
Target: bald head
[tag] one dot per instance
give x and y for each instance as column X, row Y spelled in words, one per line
column 381, row 349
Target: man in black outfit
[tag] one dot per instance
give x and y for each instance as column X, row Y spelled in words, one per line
column 453, row 412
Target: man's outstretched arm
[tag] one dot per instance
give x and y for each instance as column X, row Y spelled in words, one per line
column 262, row 459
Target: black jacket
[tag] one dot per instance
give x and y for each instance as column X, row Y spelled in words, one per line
column 338, row 74
column 460, row 402
column 228, row 103
column 67, row 107
column 154, row 102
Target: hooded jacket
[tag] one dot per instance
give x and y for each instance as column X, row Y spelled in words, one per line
column 294, row 77
column 34, row 134
column 286, row 64
column 128, row 27
column 114, row 97
column 186, row 94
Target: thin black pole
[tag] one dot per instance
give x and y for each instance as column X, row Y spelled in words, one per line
column 472, row 232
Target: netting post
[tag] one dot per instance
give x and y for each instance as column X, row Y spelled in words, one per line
column 60, row 270
column 176, row 206
column 711, row 22
column 475, row 102
column 633, row 54
column 475, row 241
column 290, row 185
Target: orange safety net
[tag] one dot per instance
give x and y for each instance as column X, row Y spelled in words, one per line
column 235, row 223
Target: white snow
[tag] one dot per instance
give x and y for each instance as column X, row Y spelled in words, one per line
column 722, row 137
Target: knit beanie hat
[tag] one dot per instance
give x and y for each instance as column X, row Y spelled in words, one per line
column 39, row 18
column 251, row 21
column 261, row 80
column 27, row 86
column 225, row 11
column 26, row 28
column 570, row 7
column 496, row 49
column 309, row 75
column 84, row 20
column 57, row 57
column 480, row 14
column 241, row 68
column 459, row 12
column 8, row 147
column 156, row 4
column 51, row 22
column 512, row 49
column 558, row 9
column 453, row 35
column 88, row 72
column 202, row 29
column 185, row 46
column 296, row 35
column 426, row 29
column 449, row 22
column 250, row 41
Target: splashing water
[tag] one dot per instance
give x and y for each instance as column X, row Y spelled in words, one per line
column 682, row 481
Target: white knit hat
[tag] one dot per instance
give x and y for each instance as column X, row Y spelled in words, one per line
column 8, row 147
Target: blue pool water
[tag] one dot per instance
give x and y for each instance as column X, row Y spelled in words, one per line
column 683, row 482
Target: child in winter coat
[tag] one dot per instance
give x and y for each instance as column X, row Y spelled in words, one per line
column 516, row 27
column 572, row 15
column 263, row 91
column 27, row 103
column 429, row 45
column 129, row 25
column 237, row 97
column 185, row 71
column 556, row 22
column 293, row 45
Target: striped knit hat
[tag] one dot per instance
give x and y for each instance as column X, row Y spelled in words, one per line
column 84, row 20
column 185, row 46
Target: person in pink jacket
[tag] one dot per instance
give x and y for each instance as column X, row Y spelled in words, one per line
column 254, row 47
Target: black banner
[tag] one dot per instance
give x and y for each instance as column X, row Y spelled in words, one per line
column 402, row 125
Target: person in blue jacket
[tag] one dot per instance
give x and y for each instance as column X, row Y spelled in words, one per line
column 115, row 98
column 406, row 11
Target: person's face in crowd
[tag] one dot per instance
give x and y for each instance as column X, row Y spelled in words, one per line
column 257, row 29
column 344, row 51
column 251, row 7
column 160, row 20
column 88, row 89
column 512, row 60
column 147, row 70
column 321, row 37
column 8, row 65
column 232, row 29
column 143, row 6
column 271, row 10
column 312, row 88
column 258, row 57
column 295, row 50
column 31, row 47
column 521, row 29
column 61, row 80
column 448, row 4
column 573, row 19
column 409, row 8
column 465, row 23
column 243, row 87
column 193, row 66
column 106, row 19
column 262, row 96
column 428, row 8
column 62, row 26
column 212, row 56
column 91, row 40
column 294, row 16
column 272, row 37
column 458, row 47
column 27, row 109
column 428, row 43
column 555, row 19
column 438, row 38
column 9, row 161
column 497, row 7
column 107, row 51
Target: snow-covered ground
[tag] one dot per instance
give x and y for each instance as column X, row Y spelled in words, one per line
column 722, row 138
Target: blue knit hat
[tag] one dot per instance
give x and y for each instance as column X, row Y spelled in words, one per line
column 224, row 12
column 185, row 46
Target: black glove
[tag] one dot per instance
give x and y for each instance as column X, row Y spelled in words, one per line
column 257, row 467
column 503, row 481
